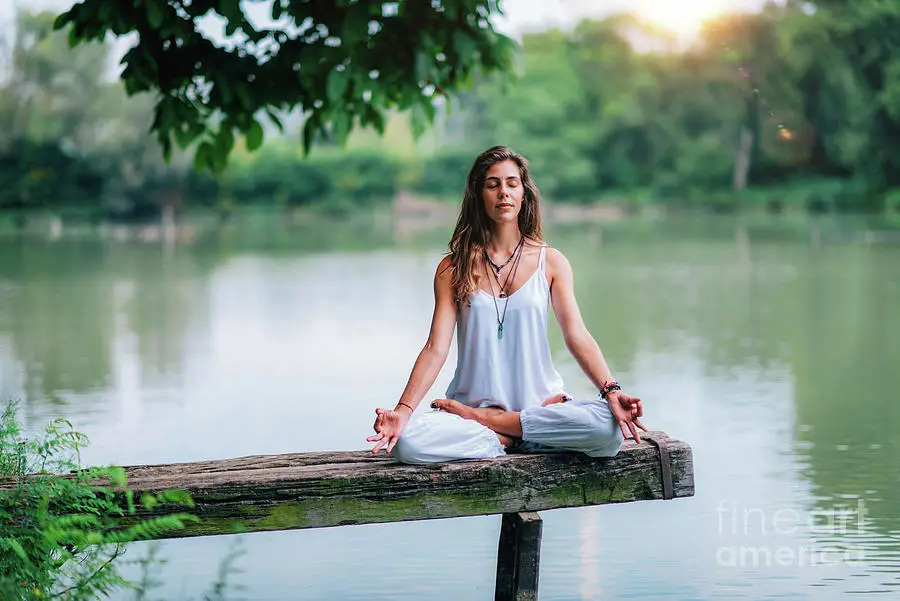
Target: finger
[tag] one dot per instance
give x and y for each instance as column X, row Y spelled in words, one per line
column 640, row 425
column 392, row 444
column 640, row 409
column 379, row 446
column 375, row 437
column 634, row 432
column 623, row 428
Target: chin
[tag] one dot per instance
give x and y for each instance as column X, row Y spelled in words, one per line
column 504, row 218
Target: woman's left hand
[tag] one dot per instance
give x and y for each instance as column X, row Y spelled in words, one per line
column 627, row 410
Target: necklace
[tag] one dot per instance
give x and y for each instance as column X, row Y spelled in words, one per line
column 496, row 267
column 496, row 274
column 512, row 274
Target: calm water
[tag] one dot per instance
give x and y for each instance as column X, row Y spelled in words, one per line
column 772, row 351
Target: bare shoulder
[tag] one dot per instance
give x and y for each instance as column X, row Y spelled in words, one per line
column 556, row 261
column 444, row 269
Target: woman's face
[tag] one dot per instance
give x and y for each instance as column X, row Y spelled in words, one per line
column 503, row 192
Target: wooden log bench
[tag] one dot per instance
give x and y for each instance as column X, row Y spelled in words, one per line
column 316, row 490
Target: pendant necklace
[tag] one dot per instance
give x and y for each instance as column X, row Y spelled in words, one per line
column 497, row 268
column 512, row 274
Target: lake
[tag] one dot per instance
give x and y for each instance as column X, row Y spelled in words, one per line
column 771, row 345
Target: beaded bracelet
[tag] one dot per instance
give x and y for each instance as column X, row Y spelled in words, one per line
column 610, row 386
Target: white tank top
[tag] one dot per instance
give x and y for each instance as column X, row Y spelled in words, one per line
column 516, row 371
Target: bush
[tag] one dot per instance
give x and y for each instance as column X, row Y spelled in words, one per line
column 60, row 536
column 278, row 175
column 444, row 172
column 37, row 175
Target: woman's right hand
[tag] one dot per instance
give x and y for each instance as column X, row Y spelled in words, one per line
column 388, row 427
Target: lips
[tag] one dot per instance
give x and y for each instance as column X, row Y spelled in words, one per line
column 505, row 205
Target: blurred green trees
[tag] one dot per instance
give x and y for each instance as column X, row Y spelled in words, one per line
column 796, row 106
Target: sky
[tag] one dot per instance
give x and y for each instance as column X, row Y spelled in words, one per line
column 683, row 16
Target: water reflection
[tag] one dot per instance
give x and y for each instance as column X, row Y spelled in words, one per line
column 771, row 355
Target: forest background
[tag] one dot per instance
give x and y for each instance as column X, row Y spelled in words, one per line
column 791, row 108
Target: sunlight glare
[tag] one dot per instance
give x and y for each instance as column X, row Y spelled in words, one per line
column 683, row 18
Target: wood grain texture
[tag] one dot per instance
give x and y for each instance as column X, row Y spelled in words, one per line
column 519, row 557
column 313, row 490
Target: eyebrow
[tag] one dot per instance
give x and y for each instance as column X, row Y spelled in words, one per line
column 497, row 177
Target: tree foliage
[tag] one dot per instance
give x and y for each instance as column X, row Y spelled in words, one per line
column 798, row 106
column 609, row 108
column 341, row 62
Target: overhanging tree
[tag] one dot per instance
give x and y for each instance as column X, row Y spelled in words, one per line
column 343, row 63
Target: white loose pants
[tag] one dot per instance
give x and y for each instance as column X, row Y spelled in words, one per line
column 588, row 427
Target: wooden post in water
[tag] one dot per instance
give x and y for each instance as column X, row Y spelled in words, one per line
column 519, row 557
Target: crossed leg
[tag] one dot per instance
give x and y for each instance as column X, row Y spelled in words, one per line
column 482, row 433
column 507, row 425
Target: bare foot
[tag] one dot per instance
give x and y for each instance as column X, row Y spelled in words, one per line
column 556, row 398
column 455, row 407
column 497, row 419
column 506, row 441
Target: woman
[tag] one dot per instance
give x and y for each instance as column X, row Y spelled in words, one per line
column 494, row 287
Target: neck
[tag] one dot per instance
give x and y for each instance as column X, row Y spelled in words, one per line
column 504, row 238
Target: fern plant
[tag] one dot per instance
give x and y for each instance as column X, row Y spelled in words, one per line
column 60, row 535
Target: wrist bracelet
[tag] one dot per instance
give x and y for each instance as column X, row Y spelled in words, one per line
column 610, row 386
column 411, row 410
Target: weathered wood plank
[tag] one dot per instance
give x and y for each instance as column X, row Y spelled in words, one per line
column 313, row 490
column 519, row 557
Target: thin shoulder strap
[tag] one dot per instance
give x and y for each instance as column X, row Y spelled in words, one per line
column 541, row 260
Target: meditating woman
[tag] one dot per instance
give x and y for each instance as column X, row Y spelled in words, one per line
column 495, row 286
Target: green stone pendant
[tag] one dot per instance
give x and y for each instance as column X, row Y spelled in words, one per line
column 499, row 331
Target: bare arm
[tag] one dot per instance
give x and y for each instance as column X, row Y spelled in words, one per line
column 389, row 424
column 578, row 340
column 625, row 408
column 433, row 355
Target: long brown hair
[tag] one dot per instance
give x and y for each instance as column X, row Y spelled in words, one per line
column 473, row 227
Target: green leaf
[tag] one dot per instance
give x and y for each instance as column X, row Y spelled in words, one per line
column 310, row 129
column 224, row 141
column 17, row 549
column 254, row 138
column 201, row 162
column 244, row 95
column 154, row 14
column 464, row 46
column 166, row 143
column 341, row 125
column 62, row 20
column 230, row 9
column 336, row 85
column 423, row 67
column 422, row 116
column 356, row 24
column 219, row 159
column 184, row 135
column 375, row 118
